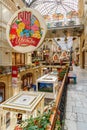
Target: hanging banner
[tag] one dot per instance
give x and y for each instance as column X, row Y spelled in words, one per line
column 26, row 30
column 14, row 76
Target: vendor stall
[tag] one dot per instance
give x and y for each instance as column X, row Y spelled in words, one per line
column 21, row 107
column 48, row 84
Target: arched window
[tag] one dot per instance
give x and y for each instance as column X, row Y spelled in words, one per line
column 54, row 8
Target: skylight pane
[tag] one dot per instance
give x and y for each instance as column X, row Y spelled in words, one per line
column 68, row 8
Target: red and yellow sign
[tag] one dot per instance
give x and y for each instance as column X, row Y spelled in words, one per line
column 14, row 76
column 26, row 30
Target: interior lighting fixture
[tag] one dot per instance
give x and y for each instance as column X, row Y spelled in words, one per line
column 58, row 39
column 65, row 39
column 74, row 38
column 50, row 40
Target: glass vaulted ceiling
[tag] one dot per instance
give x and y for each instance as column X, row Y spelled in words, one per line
column 56, row 10
column 49, row 7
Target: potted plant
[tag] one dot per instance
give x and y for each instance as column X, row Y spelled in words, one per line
column 38, row 123
column 58, row 125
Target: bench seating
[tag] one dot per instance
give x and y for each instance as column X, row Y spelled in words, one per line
column 72, row 76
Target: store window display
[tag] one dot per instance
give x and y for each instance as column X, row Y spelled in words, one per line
column 18, row 59
column 1, row 97
column 19, row 118
column 8, row 117
column 2, row 92
column 27, row 80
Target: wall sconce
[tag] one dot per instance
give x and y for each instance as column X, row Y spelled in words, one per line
column 6, row 53
column 74, row 38
column 50, row 40
column 58, row 39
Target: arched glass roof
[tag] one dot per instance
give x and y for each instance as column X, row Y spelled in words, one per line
column 64, row 45
column 54, row 10
column 49, row 7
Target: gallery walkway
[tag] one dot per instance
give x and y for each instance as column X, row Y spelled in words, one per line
column 76, row 102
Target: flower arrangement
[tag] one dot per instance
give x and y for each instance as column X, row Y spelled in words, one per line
column 38, row 123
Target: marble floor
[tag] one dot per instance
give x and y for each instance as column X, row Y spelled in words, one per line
column 76, row 102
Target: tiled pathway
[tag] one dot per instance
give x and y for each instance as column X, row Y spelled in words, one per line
column 76, row 103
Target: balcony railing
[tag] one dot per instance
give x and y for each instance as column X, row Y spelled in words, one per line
column 8, row 69
column 75, row 21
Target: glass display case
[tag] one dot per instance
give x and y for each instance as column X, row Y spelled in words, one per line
column 2, row 92
column 21, row 107
column 47, row 84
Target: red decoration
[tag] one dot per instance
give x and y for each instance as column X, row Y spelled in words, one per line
column 18, row 128
column 13, row 31
column 25, row 41
column 14, row 71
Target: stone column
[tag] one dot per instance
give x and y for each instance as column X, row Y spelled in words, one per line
column 80, row 49
column 17, row 89
column 81, row 8
column 85, row 49
column 85, row 31
column 28, row 58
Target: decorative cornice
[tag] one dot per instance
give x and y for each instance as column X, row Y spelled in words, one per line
column 10, row 5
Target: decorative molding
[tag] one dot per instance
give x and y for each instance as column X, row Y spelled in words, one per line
column 84, row 49
column 10, row 5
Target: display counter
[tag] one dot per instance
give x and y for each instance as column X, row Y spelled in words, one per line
column 48, row 84
column 21, row 107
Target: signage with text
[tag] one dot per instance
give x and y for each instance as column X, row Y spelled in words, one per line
column 26, row 30
column 14, row 76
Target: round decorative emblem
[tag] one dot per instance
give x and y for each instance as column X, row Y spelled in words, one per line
column 26, row 30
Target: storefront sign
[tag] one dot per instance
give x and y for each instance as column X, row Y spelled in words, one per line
column 14, row 76
column 26, row 30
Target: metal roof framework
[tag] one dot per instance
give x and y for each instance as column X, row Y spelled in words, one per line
column 48, row 7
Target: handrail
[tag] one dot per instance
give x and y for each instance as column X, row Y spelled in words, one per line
column 58, row 99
